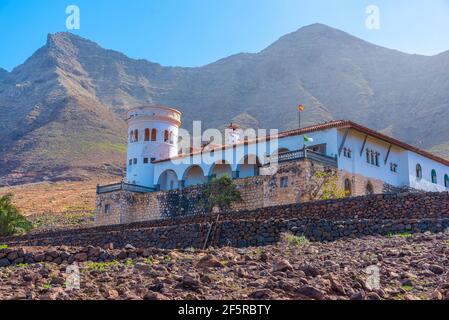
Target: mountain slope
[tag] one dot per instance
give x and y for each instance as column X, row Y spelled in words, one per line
column 63, row 109
column 3, row 74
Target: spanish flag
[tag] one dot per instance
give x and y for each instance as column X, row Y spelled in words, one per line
column 301, row 108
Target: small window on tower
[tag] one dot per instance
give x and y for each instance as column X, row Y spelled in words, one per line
column 166, row 136
column 284, row 182
column 153, row 135
column 145, row 160
column 147, row 134
column 135, row 161
column 130, row 162
column 107, row 208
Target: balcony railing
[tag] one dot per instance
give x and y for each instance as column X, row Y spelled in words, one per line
column 125, row 187
column 303, row 154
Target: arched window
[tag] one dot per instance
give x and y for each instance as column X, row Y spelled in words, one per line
column 418, row 171
column 434, row 177
column 446, row 181
column 377, row 154
column 172, row 141
column 153, row 135
column 166, row 136
column 348, row 188
column 136, row 135
column 369, row 188
column 147, row 134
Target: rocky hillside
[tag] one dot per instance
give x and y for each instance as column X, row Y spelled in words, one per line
column 62, row 110
column 410, row 268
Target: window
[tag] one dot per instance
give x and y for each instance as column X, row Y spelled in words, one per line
column 166, row 136
column 434, row 177
column 136, row 135
column 153, row 135
column 372, row 157
column 393, row 167
column 348, row 188
column 347, row 153
column 369, row 188
column 131, row 136
column 130, row 162
column 418, row 171
column 446, row 181
column 107, row 208
column 172, row 141
column 135, row 161
column 153, row 159
column 147, row 134
column 145, row 160
column 284, row 182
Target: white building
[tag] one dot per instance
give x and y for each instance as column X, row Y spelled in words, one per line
column 154, row 160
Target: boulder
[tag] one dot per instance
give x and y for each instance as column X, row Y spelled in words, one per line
column 209, row 261
column 282, row 266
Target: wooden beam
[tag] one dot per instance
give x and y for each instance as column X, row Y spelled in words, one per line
column 345, row 136
column 388, row 154
column 363, row 145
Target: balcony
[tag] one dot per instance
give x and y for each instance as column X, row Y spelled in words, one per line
column 122, row 186
column 304, row 154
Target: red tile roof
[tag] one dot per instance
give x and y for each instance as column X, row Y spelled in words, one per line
column 339, row 124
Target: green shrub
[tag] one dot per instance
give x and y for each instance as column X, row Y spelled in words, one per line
column 222, row 193
column 294, row 241
column 11, row 221
column 400, row 235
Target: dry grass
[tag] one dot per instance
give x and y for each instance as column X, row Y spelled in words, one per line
column 54, row 198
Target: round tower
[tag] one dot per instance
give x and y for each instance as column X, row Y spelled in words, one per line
column 152, row 135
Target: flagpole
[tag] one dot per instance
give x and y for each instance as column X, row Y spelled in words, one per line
column 299, row 125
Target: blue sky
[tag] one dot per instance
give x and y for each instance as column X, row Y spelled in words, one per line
column 197, row 32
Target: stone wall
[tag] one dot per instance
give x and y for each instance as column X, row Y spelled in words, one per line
column 257, row 192
column 319, row 221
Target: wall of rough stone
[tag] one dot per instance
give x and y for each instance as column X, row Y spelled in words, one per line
column 319, row 221
column 257, row 192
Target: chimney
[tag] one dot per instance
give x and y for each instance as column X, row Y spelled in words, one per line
column 232, row 134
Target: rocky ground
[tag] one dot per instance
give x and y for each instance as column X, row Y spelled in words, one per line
column 410, row 267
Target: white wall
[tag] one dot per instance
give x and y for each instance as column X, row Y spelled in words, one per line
column 427, row 165
column 406, row 161
column 358, row 164
column 235, row 156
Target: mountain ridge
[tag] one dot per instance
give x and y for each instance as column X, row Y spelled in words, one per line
column 63, row 108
